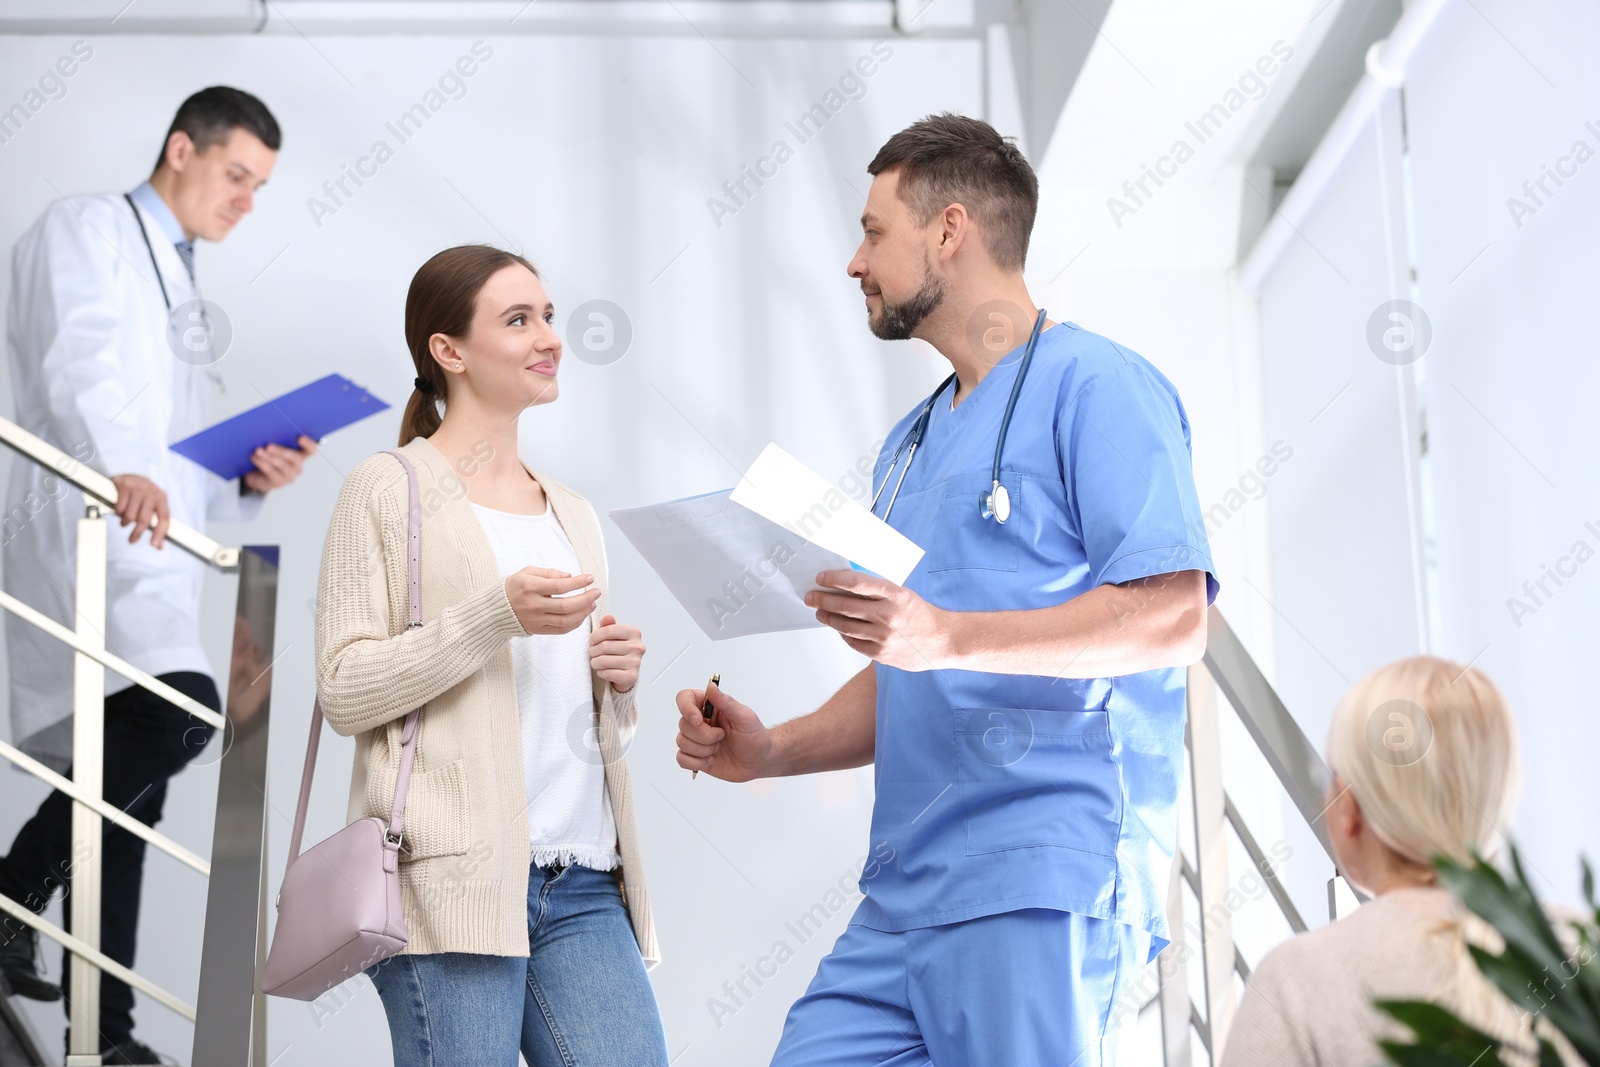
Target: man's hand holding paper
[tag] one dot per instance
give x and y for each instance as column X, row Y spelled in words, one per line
column 742, row 561
column 881, row 620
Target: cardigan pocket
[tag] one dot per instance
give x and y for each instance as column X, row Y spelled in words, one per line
column 436, row 821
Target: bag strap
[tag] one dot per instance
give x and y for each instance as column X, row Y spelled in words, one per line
column 408, row 737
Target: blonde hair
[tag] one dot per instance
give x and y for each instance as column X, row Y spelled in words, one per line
column 1429, row 749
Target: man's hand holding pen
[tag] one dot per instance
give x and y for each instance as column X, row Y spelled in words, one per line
column 736, row 749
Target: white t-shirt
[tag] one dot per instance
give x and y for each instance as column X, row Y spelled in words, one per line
column 569, row 811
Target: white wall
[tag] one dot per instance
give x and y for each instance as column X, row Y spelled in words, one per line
column 1498, row 94
column 1344, row 566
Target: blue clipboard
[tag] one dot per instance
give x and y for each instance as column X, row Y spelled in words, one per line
column 318, row 409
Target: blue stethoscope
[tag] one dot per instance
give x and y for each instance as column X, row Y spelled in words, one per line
column 994, row 503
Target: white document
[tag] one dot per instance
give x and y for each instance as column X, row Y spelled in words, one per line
column 733, row 571
column 785, row 491
column 737, row 570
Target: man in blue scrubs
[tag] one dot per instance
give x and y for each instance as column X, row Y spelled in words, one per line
column 1024, row 709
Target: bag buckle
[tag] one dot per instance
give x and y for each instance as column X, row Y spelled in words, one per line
column 397, row 840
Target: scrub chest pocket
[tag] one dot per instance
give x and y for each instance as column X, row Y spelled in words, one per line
column 962, row 538
column 1036, row 778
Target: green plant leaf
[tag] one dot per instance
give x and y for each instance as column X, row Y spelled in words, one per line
column 1586, row 958
column 1534, row 970
column 1548, row 1056
column 1538, row 991
column 1511, row 909
column 1442, row 1040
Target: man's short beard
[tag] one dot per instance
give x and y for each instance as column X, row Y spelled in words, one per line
column 896, row 321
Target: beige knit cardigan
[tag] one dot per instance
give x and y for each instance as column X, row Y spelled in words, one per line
column 464, row 866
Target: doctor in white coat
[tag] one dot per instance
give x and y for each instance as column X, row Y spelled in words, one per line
column 109, row 361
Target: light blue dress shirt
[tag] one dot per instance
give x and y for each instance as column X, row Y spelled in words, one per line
column 147, row 197
column 1002, row 792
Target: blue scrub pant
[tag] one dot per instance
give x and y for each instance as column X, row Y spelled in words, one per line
column 1031, row 988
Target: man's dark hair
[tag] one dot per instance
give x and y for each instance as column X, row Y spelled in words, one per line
column 211, row 115
column 950, row 159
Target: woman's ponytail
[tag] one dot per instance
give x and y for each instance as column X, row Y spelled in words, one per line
column 421, row 418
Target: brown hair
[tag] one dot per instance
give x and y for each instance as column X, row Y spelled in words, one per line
column 442, row 299
column 950, row 159
column 210, row 116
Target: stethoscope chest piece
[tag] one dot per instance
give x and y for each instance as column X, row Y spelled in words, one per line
column 995, row 504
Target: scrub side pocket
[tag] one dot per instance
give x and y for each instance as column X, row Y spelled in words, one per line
column 1032, row 778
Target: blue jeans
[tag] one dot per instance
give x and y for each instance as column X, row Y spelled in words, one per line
column 579, row 999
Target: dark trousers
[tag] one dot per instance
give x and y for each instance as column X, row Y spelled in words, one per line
column 147, row 741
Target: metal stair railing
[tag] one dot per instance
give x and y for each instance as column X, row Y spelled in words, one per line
column 1228, row 668
column 19, row 1043
column 230, row 1017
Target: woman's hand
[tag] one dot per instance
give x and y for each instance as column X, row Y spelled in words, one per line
column 615, row 651
column 534, row 593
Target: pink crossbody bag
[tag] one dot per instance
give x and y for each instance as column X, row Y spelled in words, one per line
column 339, row 909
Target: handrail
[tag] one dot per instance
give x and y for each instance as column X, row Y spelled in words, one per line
column 230, row 1019
column 106, row 659
column 104, row 491
column 232, row 1027
column 85, row 951
column 1268, row 875
column 26, row 1041
column 106, row 811
column 1296, row 762
column 1228, row 668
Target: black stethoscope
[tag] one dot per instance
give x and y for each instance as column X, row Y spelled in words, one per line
column 205, row 319
column 995, row 503
column 148, row 247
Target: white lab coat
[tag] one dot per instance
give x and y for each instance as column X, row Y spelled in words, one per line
column 92, row 373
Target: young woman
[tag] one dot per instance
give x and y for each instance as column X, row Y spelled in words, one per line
column 1424, row 755
column 520, row 871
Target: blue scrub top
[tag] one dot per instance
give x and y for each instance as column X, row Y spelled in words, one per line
column 1000, row 792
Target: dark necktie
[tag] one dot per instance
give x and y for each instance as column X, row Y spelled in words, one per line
column 186, row 253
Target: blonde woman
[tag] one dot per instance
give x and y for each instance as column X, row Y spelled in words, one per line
column 523, row 891
column 1424, row 760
